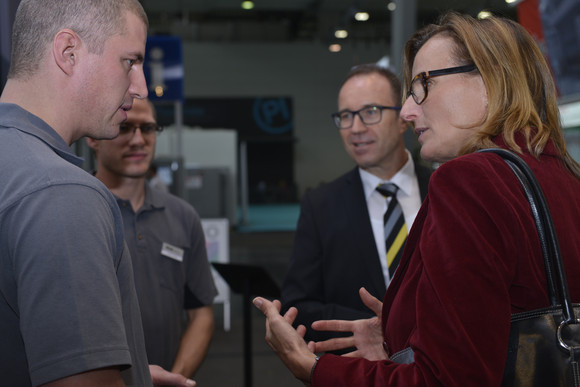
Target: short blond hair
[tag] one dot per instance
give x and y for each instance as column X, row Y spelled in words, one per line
column 38, row 21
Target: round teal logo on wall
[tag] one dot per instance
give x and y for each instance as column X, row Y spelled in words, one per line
column 273, row 115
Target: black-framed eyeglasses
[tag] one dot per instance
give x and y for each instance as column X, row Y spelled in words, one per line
column 419, row 87
column 368, row 115
column 146, row 129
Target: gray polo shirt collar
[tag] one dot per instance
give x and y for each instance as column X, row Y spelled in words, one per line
column 13, row 116
column 153, row 200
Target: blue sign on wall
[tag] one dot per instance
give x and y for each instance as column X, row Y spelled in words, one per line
column 163, row 68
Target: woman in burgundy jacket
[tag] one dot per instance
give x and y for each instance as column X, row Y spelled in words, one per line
column 473, row 256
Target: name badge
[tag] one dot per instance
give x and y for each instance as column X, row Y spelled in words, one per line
column 172, row 252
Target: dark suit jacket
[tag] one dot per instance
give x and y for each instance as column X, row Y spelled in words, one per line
column 335, row 254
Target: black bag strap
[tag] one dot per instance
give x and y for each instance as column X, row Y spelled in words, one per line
column 546, row 232
column 550, row 251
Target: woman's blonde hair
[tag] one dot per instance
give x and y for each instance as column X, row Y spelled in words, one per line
column 520, row 88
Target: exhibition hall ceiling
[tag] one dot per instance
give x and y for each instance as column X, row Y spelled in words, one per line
column 295, row 20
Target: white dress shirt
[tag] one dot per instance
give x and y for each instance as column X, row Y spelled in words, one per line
column 409, row 198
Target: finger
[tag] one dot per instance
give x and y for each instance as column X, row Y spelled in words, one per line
column 278, row 305
column 259, row 303
column 265, row 306
column 334, row 344
column 163, row 377
column 312, row 346
column 291, row 314
column 372, row 302
column 301, row 329
column 333, row 325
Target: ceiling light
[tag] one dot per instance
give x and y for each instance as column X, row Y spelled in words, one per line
column 341, row 34
column 335, row 47
column 247, row 4
column 391, row 6
column 361, row 16
column 484, row 14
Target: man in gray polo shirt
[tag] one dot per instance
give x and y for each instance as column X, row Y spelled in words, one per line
column 167, row 245
column 68, row 309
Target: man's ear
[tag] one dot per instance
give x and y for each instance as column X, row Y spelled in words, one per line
column 65, row 50
column 92, row 143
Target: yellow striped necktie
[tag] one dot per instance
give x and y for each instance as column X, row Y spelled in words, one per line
column 395, row 227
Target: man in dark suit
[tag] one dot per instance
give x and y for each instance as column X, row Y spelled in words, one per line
column 340, row 242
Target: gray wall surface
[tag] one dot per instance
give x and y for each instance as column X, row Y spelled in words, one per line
column 307, row 72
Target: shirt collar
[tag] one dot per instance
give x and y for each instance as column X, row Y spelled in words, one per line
column 403, row 178
column 153, row 197
column 153, row 200
column 13, row 116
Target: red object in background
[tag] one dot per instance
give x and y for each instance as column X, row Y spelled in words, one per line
column 529, row 17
